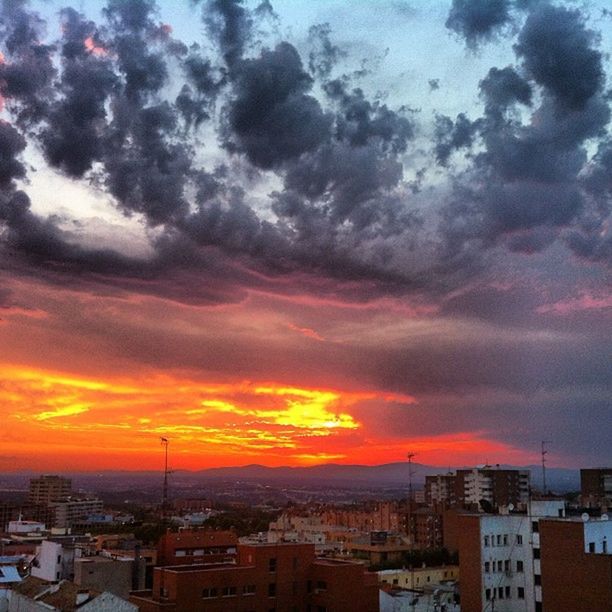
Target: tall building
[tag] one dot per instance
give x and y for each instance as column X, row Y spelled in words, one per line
column 440, row 489
column 500, row 559
column 471, row 488
column 282, row 577
column 596, row 487
column 48, row 488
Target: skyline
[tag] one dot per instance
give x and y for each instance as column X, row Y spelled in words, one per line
column 294, row 234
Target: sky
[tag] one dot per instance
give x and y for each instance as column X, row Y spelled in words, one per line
column 296, row 233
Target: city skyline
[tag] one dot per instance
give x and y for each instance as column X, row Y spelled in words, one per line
column 291, row 234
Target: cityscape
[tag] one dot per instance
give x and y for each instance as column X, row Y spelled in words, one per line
column 305, row 306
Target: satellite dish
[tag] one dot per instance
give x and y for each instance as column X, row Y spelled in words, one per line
column 585, row 517
column 604, row 517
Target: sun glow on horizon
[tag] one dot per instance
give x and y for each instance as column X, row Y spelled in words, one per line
column 115, row 423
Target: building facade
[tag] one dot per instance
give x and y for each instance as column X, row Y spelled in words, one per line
column 48, row 488
column 282, row 577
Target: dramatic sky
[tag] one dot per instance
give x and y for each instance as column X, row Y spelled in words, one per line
column 292, row 233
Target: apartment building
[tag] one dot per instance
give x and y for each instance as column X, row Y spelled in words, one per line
column 596, row 487
column 283, row 577
column 48, row 488
column 188, row 546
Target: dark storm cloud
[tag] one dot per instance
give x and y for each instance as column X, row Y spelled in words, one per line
column 128, row 101
column 76, row 123
column 26, row 78
column 478, row 20
column 526, row 183
column 558, row 53
column 230, row 24
column 272, row 118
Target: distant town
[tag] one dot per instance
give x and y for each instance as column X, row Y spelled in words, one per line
column 470, row 539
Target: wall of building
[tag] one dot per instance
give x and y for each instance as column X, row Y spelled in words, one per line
column 571, row 578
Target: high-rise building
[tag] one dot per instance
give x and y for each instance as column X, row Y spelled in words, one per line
column 596, row 486
column 500, row 559
column 471, row 488
column 48, row 488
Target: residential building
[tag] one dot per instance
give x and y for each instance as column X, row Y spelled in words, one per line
column 53, row 561
column 596, row 487
column 418, row 578
column 490, row 486
column 440, row 489
column 283, row 577
column 499, row 559
column 48, row 488
column 426, row 528
column 70, row 511
column 189, row 546
column 576, row 565
column 493, row 486
column 116, row 574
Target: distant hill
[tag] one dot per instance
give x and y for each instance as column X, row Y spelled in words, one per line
column 387, row 475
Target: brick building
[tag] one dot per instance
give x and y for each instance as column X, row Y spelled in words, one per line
column 469, row 488
column 596, row 487
column 265, row 577
column 189, row 546
column 576, row 562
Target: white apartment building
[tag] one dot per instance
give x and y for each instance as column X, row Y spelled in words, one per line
column 70, row 511
column 499, row 558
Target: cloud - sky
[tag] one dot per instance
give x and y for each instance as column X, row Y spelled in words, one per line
column 299, row 234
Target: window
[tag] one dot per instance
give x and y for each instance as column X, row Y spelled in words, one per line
column 591, row 547
column 499, row 566
column 507, row 590
column 322, row 585
column 538, row 607
column 428, row 578
column 272, row 564
column 272, row 589
column 395, row 581
column 535, row 527
column 487, row 594
column 500, row 593
column 505, row 540
column 537, row 580
column 163, row 592
column 248, row 589
column 209, row 593
column 507, row 565
column 229, row 591
column 486, row 540
column 604, row 547
column 520, row 592
column 180, row 553
column 499, row 539
column 519, row 566
column 519, row 540
column 536, row 553
column 59, row 558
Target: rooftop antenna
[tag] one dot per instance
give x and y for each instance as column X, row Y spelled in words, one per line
column 544, row 453
column 165, row 443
